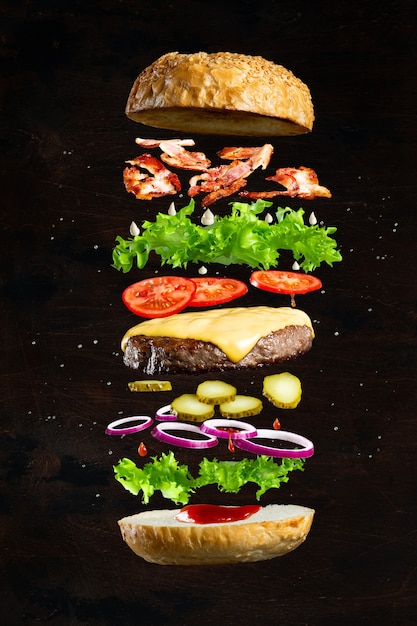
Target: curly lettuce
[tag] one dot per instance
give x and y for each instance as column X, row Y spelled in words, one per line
column 176, row 483
column 241, row 238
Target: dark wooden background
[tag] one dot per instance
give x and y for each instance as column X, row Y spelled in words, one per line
column 66, row 70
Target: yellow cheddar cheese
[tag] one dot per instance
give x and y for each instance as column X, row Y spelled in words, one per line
column 234, row 330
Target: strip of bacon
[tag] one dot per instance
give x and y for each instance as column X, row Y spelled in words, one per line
column 299, row 182
column 223, row 192
column 175, row 155
column 220, row 181
column 259, row 156
column 158, row 182
column 155, row 143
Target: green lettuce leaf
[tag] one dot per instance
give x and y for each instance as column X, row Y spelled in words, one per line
column 263, row 471
column 242, row 238
column 164, row 474
column 176, row 483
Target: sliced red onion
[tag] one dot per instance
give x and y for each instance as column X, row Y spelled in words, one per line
column 306, row 450
column 159, row 432
column 222, row 428
column 113, row 428
column 165, row 413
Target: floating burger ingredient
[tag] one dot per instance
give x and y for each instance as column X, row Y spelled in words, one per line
column 243, row 237
column 283, row 390
column 210, row 535
column 217, row 340
column 149, row 385
column 221, row 93
column 278, row 281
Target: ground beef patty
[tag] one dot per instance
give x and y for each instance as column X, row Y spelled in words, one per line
column 167, row 355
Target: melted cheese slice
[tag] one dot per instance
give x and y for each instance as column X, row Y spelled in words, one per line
column 234, row 330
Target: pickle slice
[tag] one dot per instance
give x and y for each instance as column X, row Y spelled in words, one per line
column 283, row 390
column 189, row 408
column 241, row 406
column 215, row 392
column 150, row 385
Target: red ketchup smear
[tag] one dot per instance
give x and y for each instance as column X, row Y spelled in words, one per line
column 215, row 514
column 276, row 424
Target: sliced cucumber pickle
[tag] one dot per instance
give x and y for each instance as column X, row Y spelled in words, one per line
column 241, row 406
column 283, row 390
column 150, row 385
column 189, row 408
column 215, row 392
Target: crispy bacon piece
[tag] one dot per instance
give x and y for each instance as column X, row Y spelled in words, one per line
column 299, row 182
column 259, row 156
column 158, row 182
column 155, row 143
column 220, row 182
column 223, row 192
column 175, row 155
column 225, row 180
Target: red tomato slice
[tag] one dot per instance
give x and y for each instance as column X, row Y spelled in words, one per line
column 159, row 296
column 278, row 281
column 212, row 291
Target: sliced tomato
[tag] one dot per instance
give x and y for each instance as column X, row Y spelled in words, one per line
column 159, row 296
column 212, row 291
column 278, row 281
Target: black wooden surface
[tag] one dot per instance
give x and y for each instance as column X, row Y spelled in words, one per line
column 67, row 68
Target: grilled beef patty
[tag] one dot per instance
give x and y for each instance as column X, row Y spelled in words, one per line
column 167, row 355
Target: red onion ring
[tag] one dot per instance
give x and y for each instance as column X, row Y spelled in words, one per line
column 129, row 430
column 213, row 426
column 159, row 433
column 307, row 449
column 165, row 413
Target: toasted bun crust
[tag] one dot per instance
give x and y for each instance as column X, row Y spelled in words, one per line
column 221, row 93
column 273, row 531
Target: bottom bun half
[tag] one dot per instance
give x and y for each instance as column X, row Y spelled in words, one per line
column 273, row 531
